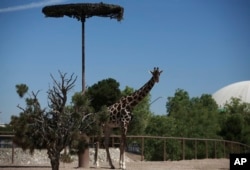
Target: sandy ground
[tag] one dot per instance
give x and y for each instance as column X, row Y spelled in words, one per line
column 39, row 161
column 203, row 164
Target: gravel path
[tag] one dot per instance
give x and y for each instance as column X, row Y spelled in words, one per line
column 39, row 161
column 205, row 164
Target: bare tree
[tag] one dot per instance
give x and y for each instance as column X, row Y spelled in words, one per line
column 53, row 129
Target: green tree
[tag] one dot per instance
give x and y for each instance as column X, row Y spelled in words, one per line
column 53, row 129
column 203, row 117
column 21, row 89
column 6, row 128
column 160, row 125
column 232, row 127
column 196, row 117
column 235, row 121
column 81, row 103
column 105, row 92
column 179, row 105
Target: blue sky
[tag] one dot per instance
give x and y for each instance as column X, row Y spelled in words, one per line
column 201, row 46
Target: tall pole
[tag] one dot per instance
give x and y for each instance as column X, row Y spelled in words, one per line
column 81, row 11
column 83, row 157
column 83, row 55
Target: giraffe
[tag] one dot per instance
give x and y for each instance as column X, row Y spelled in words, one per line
column 120, row 116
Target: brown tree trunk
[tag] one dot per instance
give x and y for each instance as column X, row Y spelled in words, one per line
column 55, row 164
column 83, row 151
column 54, row 159
column 83, row 158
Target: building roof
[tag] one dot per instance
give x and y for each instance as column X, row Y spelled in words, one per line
column 237, row 90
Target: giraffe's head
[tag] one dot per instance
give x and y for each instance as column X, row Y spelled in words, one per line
column 156, row 74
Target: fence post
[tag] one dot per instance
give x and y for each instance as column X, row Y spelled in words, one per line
column 206, row 150
column 183, row 149
column 142, row 148
column 164, row 150
column 195, row 151
column 215, row 149
column 231, row 147
column 224, row 149
column 113, row 142
column 12, row 155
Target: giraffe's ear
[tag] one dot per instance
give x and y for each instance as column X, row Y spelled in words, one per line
column 150, row 72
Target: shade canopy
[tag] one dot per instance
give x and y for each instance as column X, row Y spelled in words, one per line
column 80, row 11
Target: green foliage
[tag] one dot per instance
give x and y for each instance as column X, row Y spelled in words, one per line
column 53, row 128
column 245, row 138
column 23, row 125
column 179, row 105
column 231, row 128
column 21, row 89
column 187, row 117
column 91, row 126
column 235, row 121
column 81, row 103
column 66, row 158
column 103, row 115
column 6, row 128
column 236, row 106
column 197, row 117
column 105, row 92
column 161, row 126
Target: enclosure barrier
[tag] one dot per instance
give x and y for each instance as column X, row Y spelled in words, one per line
column 228, row 146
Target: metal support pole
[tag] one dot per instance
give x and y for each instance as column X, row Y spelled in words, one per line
column 83, row 55
column 83, row 157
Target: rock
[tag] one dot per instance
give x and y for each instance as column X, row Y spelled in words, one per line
column 41, row 158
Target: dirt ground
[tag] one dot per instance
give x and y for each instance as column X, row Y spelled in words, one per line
column 203, row 164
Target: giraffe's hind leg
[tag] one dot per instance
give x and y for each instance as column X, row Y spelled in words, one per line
column 107, row 133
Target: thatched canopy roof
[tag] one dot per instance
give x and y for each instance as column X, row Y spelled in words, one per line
column 81, row 11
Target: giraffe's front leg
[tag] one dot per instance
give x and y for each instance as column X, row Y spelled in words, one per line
column 96, row 161
column 122, row 161
column 122, row 152
column 96, row 164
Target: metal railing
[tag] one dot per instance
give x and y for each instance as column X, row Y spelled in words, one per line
column 225, row 146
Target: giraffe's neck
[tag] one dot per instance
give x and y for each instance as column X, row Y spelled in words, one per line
column 138, row 95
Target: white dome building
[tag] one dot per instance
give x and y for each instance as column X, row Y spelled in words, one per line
column 237, row 90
